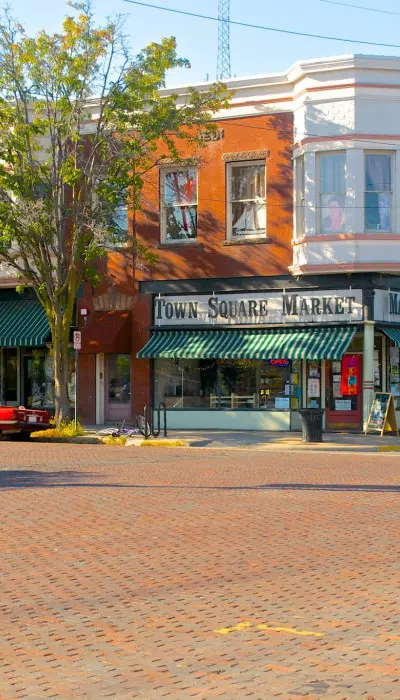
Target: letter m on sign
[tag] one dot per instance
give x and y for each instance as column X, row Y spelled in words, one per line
column 394, row 305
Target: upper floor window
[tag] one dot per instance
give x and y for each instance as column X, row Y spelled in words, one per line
column 332, row 192
column 120, row 219
column 247, row 211
column 378, row 192
column 178, row 204
column 300, row 196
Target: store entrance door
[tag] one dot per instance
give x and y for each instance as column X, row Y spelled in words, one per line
column 342, row 412
column 117, row 405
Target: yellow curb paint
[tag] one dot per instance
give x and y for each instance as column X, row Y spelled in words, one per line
column 246, row 625
column 389, row 448
column 237, row 628
column 291, row 630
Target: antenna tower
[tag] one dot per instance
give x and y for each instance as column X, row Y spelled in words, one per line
column 224, row 47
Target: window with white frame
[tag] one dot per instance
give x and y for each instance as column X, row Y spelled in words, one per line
column 300, row 196
column 247, row 209
column 120, row 219
column 378, row 192
column 332, row 192
column 178, row 204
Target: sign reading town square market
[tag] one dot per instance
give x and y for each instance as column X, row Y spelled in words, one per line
column 260, row 308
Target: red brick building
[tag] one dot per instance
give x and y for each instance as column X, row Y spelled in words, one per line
column 276, row 276
column 120, row 317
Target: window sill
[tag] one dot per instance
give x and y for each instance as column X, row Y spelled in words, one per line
column 183, row 242
column 248, row 241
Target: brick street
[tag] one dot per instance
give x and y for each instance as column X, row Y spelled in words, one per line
column 150, row 573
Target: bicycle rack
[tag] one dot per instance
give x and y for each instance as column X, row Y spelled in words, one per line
column 149, row 428
column 158, row 431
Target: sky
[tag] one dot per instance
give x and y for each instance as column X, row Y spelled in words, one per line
column 253, row 51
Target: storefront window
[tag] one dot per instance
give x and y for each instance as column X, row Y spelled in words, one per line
column 313, row 386
column 119, row 386
column 226, row 384
column 10, row 375
column 378, row 363
column 394, row 373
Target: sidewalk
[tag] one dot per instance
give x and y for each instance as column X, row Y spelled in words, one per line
column 282, row 441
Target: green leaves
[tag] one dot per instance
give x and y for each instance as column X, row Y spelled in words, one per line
column 82, row 123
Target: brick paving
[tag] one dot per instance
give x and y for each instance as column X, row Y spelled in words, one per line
column 134, row 573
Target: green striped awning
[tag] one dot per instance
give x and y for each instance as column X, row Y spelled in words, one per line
column 392, row 332
column 23, row 323
column 294, row 343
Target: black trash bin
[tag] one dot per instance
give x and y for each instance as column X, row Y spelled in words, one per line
column 311, row 423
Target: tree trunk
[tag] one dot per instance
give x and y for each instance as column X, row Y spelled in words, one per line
column 60, row 350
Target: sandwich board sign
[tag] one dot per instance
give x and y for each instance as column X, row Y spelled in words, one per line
column 382, row 416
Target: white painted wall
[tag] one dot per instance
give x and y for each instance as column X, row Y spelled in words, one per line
column 348, row 252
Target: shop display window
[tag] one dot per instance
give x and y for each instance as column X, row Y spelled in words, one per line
column 10, row 375
column 227, row 384
column 394, row 373
column 313, row 383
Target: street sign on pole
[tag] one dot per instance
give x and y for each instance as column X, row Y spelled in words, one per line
column 77, row 340
column 77, row 346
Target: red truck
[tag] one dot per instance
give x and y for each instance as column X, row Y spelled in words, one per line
column 18, row 421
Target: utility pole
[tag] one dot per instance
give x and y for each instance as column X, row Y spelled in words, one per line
column 224, row 47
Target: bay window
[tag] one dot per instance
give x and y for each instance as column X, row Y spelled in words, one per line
column 300, row 196
column 378, row 192
column 332, row 192
column 178, row 204
column 247, row 212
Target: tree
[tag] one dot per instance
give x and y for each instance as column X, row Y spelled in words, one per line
column 81, row 123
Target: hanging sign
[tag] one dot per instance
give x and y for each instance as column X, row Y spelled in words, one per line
column 350, row 384
column 260, row 308
column 382, row 416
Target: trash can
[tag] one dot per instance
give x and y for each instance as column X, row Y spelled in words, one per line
column 311, row 423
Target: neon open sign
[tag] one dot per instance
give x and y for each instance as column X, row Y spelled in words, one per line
column 279, row 363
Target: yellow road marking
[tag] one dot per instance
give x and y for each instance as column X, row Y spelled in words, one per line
column 303, row 633
column 246, row 625
column 236, row 628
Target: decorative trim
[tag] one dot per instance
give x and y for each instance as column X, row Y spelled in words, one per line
column 310, row 90
column 335, row 268
column 113, row 301
column 172, row 243
column 322, row 238
column 249, row 241
column 245, row 155
column 171, row 162
column 217, row 135
column 353, row 136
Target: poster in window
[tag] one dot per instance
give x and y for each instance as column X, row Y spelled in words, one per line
column 314, row 369
column 336, row 391
column 351, row 375
column 313, row 388
column 343, row 405
column 394, row 356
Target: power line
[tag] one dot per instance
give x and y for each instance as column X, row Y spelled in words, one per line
column 259, row 26
column 361, row 7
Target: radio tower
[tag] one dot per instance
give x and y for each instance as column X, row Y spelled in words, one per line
column 224, row 48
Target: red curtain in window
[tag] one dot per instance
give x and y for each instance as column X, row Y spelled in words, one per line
column 351, row 375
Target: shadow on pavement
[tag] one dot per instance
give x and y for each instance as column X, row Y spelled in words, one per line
column 25, row 478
